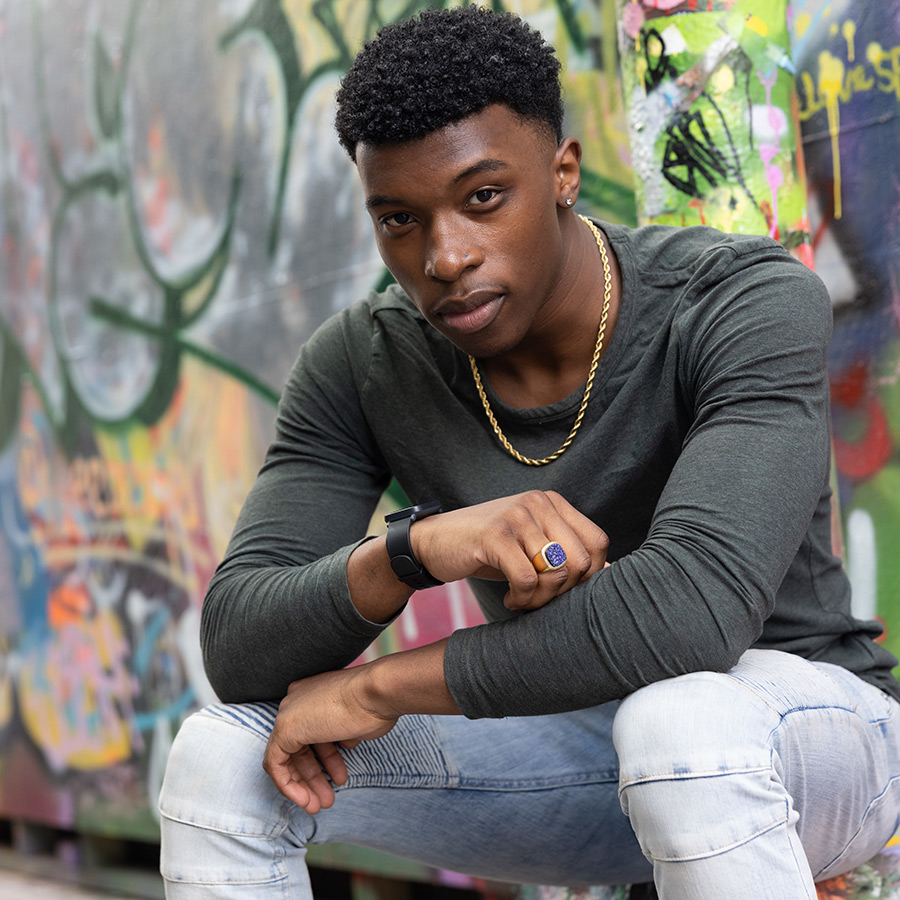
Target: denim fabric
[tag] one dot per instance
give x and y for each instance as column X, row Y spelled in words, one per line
column 753, row 783
column 731, row 780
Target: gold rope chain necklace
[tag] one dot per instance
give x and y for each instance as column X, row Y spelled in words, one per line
column 607, row 291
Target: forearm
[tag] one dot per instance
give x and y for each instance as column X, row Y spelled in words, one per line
column 402, row 683
column 693, row 597
column 339, row 709
column 495, row 540
column 639, row 621
column 409, row 682
column 375, row 590
column 264, row 627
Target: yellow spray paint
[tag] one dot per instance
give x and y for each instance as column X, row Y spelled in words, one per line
column 755, row 23
column 801, row 24
column 849, row 30
column 831, row 80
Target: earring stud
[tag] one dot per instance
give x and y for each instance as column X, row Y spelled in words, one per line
column 569, row 201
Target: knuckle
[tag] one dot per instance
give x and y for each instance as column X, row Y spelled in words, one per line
column 504, row 529
column 511, row 602
column 533, row 499
column 528, row 582
column 580, row 562
column 598, row 542
column 558, row 579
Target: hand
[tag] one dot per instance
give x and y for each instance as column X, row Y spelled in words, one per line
column 497, row 540
column 317, row 715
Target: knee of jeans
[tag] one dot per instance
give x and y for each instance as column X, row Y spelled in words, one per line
column 214, row 780
column 697, row 774
column 700, row 724
column 694, row 818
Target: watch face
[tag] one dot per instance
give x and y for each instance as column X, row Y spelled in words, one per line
column 414, row 512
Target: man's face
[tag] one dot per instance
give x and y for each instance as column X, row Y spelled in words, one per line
column 466, row 220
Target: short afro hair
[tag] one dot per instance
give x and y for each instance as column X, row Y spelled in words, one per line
column 438, row 68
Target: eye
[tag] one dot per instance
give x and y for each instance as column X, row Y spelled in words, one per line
column 397, row 220
column 482, row 196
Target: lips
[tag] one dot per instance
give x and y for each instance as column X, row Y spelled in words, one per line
column 470, row 313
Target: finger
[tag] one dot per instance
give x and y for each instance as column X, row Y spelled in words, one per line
column 590, row 537
column 297, row 774
column 279, row 767
column 594, row 537
column 551, row 585
column 308, row 771
column 512, row 543
column 555, row 521
column 329, row 756
column 524, row 582
column 578, row 558
column 301, row 794
column 530, row 585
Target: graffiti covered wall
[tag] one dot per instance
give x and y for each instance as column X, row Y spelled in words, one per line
column 847, row 57
column 176, row 217
column 709, row 90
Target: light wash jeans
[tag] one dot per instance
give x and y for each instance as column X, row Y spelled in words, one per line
column 748, row 784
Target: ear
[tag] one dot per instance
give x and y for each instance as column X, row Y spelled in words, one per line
column 567, row 172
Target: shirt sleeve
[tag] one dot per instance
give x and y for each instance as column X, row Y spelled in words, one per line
column 278, row 607
column 752, row 346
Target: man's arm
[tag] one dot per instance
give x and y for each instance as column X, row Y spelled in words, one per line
column 278, row 607
column 496, row 539
column 294, row 596
column 344, row 707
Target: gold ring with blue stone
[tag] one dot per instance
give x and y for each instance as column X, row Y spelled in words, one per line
column 551, row 556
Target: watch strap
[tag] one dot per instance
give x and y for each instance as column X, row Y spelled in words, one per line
column 399, row 547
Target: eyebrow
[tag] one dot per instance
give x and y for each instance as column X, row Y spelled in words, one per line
column 483, row 165
column 380, row 200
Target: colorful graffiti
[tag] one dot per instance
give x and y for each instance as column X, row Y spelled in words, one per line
column 709, row 89
column 848, row 84
column 176, row 217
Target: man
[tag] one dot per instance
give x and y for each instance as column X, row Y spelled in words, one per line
column 545, row 381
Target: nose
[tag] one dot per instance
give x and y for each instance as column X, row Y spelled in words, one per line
column 451, row 250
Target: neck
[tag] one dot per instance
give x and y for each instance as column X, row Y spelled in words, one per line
column 553, row 359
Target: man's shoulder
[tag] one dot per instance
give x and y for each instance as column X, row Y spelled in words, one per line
column 382, row 311
column 392, row 297
column 666, row 255
column 358, row 342
column 699, row 269
column 698, row 284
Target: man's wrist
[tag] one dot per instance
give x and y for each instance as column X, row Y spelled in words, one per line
column 408, row 682
column 374, row 589
column 404, row 562
column 375, row 689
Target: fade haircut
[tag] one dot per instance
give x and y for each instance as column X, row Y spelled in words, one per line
column 438, row 68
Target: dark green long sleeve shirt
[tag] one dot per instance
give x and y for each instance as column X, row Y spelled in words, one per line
column 703, row 454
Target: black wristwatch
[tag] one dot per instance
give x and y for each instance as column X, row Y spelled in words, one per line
column 403, row 561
